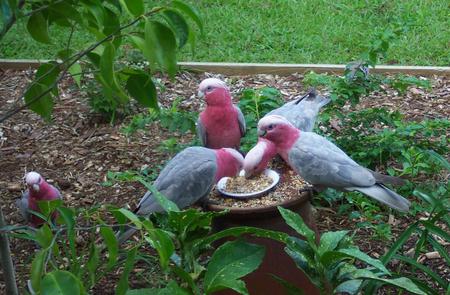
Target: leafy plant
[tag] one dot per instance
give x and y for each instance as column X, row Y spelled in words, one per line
column 330, row 263
column 158, row 33
column 255, row 104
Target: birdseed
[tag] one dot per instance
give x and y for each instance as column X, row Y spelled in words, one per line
column 242, row 185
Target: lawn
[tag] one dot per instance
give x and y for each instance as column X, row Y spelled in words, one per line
column 288, row 31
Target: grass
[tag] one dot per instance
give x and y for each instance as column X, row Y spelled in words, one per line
column 289, row 31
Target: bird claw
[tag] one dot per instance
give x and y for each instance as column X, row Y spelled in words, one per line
column 310, row 189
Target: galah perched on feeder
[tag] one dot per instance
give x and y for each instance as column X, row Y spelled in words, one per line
column 188, row 178
column 300, row 112
column 221, row 124
column 323, row 164
column 38, row 190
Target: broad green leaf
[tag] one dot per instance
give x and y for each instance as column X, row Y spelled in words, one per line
column 37, row 267
column 44, row 236
column 162, row 242
column 296, row 222
column 356, row 253
column 426, row 197
column 111, row 23
column 66, row 11
column 37, row 26
column 47, row 74
column 302, row 253
column 349, row 287
column 76, row 71
column 190, row 11
column 304, row 265
column 92, row 264
column 402, row 282
column 440, row 159
column 330, row 240
column 131, row 216
column 133, row 7
column 107, row 64
column 178, row 24
column 185, row 276
column 172, row 288
column 230, row 262
column 122, row 286
column 48, row 207
column 42, row 106
column 141, row 88
column 112, row 245
column 161, row 44
column 60, row 282
column 67, row 216
column 167, row 204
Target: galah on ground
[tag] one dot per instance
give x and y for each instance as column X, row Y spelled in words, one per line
column 188, row 178
column 38, row 190
column 301, row 112
column 221, row 124
column 323, row 164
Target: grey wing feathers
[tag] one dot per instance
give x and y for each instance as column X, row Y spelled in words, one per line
column 319, row 161
column 187, row 178
column 22, row 204
column 241, row 120
column 201, row 132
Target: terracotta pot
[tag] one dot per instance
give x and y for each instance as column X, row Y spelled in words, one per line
column 276, row 261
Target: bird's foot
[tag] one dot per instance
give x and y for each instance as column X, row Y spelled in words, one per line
column 308, row 189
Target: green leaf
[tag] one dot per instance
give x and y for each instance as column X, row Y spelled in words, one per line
column 230, row 262
column 107, row 64
column 112, row 245
column 356, row 253
column 167, row 204
column 141, row 87
column 122, row 286
column 289, row 288
column 399, row 243
column 131, row 216
column 133, row 7
column 76, row 71
column 162, row 242
column 330, row 240
column 402, row 282
column 296, row 222
column 37, row 26
column 178, row 24
column 190, row 11
column 47, row 74
column 350, row 287
column 44, row 236
column 37, row 268
column 48, row 207
column 436, row 230
column 160, row 43
column 60, row 282
column 42, row 106
column 92, row 264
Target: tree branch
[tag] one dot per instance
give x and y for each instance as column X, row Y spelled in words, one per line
column 11, row 21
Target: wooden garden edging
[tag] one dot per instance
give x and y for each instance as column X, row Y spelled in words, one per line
column 260, row 68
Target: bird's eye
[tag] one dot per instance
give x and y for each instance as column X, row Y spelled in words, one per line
column 209, row 88
column 270, row 127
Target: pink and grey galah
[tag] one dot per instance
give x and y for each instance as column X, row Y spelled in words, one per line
column 301, row 112
column 323, row 164
column 38, row 190
column 222, row 123
column 188, row 178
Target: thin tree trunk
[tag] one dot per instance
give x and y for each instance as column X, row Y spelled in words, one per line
column 6, row 261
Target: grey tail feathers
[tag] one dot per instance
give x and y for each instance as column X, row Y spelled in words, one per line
column 386, row 179
column 125, row 235
column 384, row 195
column 313, row 96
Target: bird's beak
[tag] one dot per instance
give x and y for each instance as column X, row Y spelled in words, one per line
column 247, row 175
column 36, row 187
column 261, row 132
column 200, row 94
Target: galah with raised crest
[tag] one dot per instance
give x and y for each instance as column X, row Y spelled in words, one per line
column 301, row 112
column 221, row 124
column 189, row 178
column 38, row 190
column 323, row 164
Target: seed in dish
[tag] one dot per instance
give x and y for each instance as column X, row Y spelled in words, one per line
column 242, row 185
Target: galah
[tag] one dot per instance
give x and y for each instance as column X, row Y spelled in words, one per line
column 188, row 178
column 221, row 124
column 38, row 190
column 300, row 112
column 323, row 164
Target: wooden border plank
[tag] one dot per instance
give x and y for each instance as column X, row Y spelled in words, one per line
column 260, row 68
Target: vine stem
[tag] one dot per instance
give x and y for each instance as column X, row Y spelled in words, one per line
column 6, row 261
column 71, row 61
